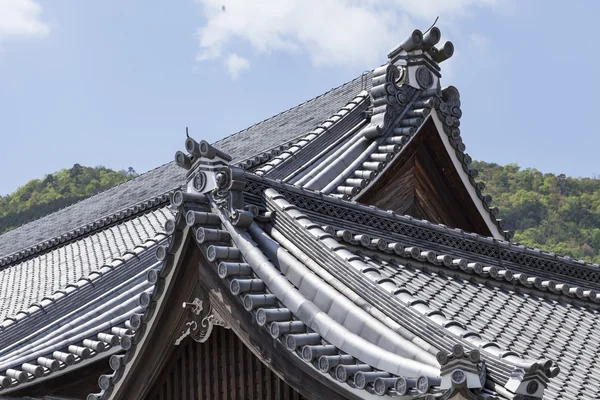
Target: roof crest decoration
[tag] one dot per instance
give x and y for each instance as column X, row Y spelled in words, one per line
column 411, row 66
column 210, row 172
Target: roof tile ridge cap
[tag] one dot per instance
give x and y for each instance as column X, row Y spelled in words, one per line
column 274, row 195
column 444, row 110
column 551, row 256
column 369, row 208
column 85, row 229
column 295, row 189
column 529, row 283
column 84, row 199
column 330, row 197
column 289, row 109
column 387, row 163
column 120, row 259
column 454, row 231
column 255, row 246
column 390, row 214
column 351, row 105
column 483, row 345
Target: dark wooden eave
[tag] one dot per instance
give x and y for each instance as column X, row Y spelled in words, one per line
column 73, row 385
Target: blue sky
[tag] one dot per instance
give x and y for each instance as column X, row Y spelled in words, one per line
column 115, row 83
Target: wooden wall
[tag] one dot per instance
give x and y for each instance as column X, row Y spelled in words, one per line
column 221, row 368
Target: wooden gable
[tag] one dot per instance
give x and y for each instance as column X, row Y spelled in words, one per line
column 221, row 368
column 424, row 183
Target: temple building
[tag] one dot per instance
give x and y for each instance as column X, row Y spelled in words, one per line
column 343, row 249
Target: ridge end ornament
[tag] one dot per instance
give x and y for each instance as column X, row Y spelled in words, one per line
column 210, row 172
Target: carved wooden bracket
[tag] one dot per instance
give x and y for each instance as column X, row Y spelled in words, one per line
column 200, row 322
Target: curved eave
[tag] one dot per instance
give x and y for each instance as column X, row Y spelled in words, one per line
column 67, row 369
column 159, row 296
column 82, row 326
column 302, row 315
column 233, row 312
column 288, row 365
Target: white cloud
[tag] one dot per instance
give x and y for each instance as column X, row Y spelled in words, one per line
column 21, row 18
column 331, row 33
column 236, row 64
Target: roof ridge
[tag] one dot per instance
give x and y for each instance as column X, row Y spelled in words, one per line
column 137, row 178
column 288, row 110
column 437, row 227
column 462, row 265
column 317, row 131
column 99, row 224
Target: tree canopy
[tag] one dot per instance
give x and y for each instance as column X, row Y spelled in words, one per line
column 549, row 212
column 40, row 197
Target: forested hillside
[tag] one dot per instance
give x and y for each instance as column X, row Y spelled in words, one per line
column 58, row 190
column 549, row 212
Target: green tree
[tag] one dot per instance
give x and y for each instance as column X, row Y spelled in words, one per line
column 550, row 212
column 40, row 197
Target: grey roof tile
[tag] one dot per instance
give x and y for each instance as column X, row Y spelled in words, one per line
column 98, row 312
column 528, row 324
column 255, row 139
column 29, row 281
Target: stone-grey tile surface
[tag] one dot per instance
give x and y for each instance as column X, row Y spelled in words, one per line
column 256, row 139
column 27, row 282
column 530, row 325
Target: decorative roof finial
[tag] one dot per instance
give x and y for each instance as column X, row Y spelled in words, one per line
column 414, row 42
column 418, row 58
column 420, row 44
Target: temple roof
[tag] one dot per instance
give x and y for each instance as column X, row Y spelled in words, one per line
column 285, row 217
